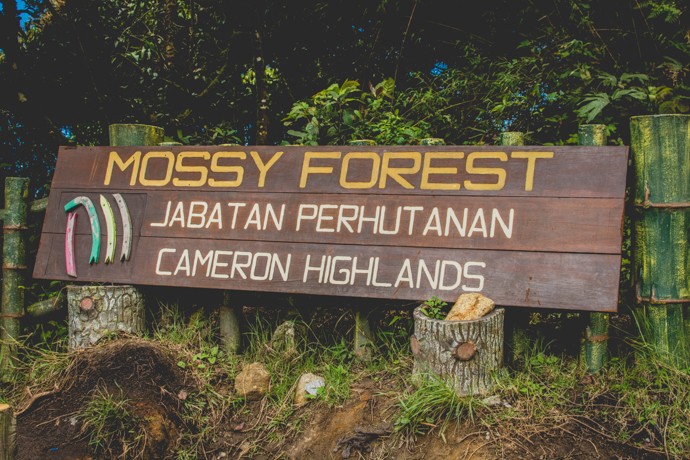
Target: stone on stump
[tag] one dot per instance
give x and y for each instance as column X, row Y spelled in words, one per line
column 8, row 433
column 464, row 354
column 252, row 382
column 96, row 311
column 470, row 306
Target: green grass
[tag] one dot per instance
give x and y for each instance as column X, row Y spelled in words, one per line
column 111, row 427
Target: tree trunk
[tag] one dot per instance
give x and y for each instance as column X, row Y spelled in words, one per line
column 462, row 353
column 96, row 311
column 135, row 134
column 261, row 90
column 8, row 433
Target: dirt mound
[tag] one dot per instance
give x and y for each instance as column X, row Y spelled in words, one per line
column 141, row 372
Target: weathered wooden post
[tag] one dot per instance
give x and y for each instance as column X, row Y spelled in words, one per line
column 13, row 265
column 660, row 147
column 364, row 336
column 95, row 311
column 8, row 433
column 230, row 332
column 517, row 319
column 595, row 347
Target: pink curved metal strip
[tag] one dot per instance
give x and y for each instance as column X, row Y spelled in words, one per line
column 69, row 244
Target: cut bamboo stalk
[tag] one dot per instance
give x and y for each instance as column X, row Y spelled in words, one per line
column 45, row 307
column 8, row 433
column 660, row 146
column 126, row 134
column 597, row 324
column 13, row 266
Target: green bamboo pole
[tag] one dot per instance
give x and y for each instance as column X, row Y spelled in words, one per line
column 362, row 142
column 45, row 307
column 595, row 341
column 517, row 319
column 13, row 265
column 125, row 134
column 432, row 141
column 660, row 146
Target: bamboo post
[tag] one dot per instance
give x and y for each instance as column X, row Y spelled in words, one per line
column 133, row 134
column 8, row 433
column 595, row 341
column 13, row 265
column 230, row 331
column 660, row 146
column 517, row 319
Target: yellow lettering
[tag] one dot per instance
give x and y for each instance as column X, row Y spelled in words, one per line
column 374, row 169
column 395, row 173
column 500, row 172
column 115, row 159
column 306, row 169
column 531, row 160
column 202, row 170
column 427, row 170
column 145, row 162
column 231, row 169
column 263, row 168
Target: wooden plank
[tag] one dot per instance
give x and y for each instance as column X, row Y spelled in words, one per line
column 584, row 172
column 529, row 279
column 538, row 224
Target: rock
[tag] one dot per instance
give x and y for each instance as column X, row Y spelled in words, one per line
column 469, row 307
column 492, row 401
column 252, row 382
column 308, row 384
column 288, row 337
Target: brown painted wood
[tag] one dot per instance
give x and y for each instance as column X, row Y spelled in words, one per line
column 572, row 172
column 539, row 224
column 529, row 279
column 562, row 250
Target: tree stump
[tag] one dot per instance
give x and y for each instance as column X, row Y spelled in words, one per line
column 8, row 433
column 95, row 311
column 461, row 353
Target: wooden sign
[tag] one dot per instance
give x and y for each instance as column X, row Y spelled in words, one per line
column 525, row 226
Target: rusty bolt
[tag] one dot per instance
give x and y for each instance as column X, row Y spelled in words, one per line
column 414, row 344
column 465, row 351
column 86, row 304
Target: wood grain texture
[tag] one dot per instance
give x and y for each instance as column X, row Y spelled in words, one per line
column 575, row 172
column 534, row 279
column 438, row 339
column 539, row 224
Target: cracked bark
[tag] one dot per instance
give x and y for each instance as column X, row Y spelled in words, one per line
column 96, row 311
column 436, row 341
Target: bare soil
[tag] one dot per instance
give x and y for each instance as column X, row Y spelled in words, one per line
column 360, row 428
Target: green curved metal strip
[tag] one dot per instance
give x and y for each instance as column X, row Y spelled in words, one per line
column 95, row 224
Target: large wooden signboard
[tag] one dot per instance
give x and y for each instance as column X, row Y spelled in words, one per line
column 525, row 226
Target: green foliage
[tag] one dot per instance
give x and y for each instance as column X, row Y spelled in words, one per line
column 334, row 117
column 435, row 308
column 434, row 404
